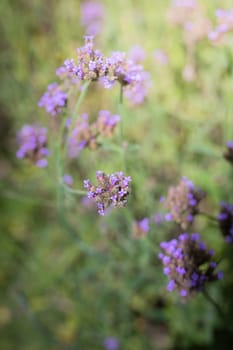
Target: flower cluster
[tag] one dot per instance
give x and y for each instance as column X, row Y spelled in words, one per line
column 228, row 155
column 92, row 15
column 85, row 134
column 190, row 16
column 54, row 99
column 140, row 228
column 188, row 264
column 225, row 25
column 225, row 219
column 111, row 190
column 33, row 144
column 92, row 65
column 182, row 202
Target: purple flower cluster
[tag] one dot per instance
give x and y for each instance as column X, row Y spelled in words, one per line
column 188, row 264
column 225, row 219
column 228, row 155
column 85, row 134
column 111, row 190
column 54, row 99
column 92, row 65
column 140, row 228
column 111, row 343
column 225, row 25
column 32, row 140
column 92, row 16
column 190, row 16
column 182, row 202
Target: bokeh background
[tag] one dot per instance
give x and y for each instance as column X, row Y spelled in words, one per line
column 55, row 292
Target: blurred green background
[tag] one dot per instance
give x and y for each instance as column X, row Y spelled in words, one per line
column 55, row 292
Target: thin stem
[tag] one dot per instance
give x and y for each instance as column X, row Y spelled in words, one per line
column 71, row 190
column 121, row 136
column 209, row 216
column 213, row 302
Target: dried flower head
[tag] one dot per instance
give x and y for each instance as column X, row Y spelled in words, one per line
column 225, row 219
column 228, row 155
column 111, row 190
column 182, row 202
column 33, row 145
column 188, row 264
column 140, row 228
column 54, row 99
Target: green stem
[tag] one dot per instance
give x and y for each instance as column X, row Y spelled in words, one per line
column 213, row 302
column 71, row 190
column 121, row 136
column 211, row 217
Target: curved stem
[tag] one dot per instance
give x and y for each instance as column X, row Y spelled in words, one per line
column 78, row 192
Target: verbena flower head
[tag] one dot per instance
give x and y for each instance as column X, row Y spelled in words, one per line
column 228, row 155
column 140, row 228
column 85, row 134
column 54, row 99
column 110, row 191
column 111, row 343
column 133, row 78
column 182, row 202
column 92, row 16
column 188, row 264
column 225, row 219
column 224, row 25
column 32, row 140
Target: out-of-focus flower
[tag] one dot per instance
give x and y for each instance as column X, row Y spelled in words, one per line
column 161, row 57
column 68, row 180
column 140, row 228
column 92, row 16
column 137, row 54
column 189, row 73
column 225, row 219
column 85, row 134
column 189, row 15
column 54, row 99
column 32, row 140
column 111, row 190
column 188, row 264
column 111, row 343
column 182, row 202
column 224, row 25
column 228, row 155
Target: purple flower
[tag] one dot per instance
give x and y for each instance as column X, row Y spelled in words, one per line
column 188, row 264
column 182, row 202
column 92, row 16
column 140, row 228
column 224, row 25
column 68, row 179
column 137, row 54
column 32, row 140
column 228, row 155
column 53, row 100
column 111, row 190
column 225, row 220
column 111, row 343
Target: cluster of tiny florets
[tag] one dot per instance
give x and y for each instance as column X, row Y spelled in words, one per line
column 86, row 134
column 182, row 202
column 54, row 99
column 228, row 155
column 188, row 264
column 111, row 190
column 224, row 25
column 225, row 219
column 32, row 140
column 93, row 65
